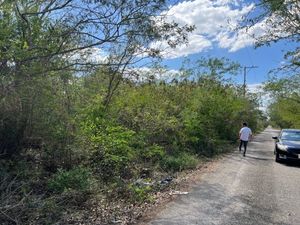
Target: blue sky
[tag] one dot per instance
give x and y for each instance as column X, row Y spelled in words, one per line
column 265, row 58
column 214, row 36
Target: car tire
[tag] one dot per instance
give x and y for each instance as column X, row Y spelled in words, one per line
column 277, row 158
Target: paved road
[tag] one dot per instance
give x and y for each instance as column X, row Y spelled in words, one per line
column 251, row 190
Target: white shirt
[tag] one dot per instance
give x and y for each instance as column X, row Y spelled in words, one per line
column 245, row 133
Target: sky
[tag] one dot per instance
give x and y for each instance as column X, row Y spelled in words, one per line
column 214, row 37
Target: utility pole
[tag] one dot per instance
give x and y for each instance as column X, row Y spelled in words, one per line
column 245, row 75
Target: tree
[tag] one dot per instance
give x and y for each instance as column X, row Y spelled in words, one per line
column 209, row 68
column 284, row 109
column 281, row 21
column 285, row 88
column 216, row 68
column 284, row 113
column 44, row 39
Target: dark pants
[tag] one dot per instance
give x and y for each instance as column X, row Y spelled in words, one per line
column 245, row 146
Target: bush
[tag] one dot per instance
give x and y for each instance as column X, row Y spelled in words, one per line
column 77, row 179
column 110, row 144
column 139, row 193
column 153, row 153
column 179, row 162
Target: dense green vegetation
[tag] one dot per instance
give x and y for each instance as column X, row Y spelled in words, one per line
column 91, row 148
column 72, row 130
column 284, row 109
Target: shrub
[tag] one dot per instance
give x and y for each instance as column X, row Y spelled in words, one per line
column 179, row 162
column 110, row 144
column 139, row 193
column 153, row 153
column 77, row 179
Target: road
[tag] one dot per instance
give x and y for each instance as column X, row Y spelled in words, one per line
column 241, row 190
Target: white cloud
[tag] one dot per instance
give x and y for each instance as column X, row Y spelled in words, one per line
column 255, row 88
column 215, row 21
column 89, row 55
column 197, row 43
column 146, row 73
column 210, row 17
column 234, row 41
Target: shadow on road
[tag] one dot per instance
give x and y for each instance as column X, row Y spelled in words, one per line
column 258, row 158
column 291, row 163
column 264, row 158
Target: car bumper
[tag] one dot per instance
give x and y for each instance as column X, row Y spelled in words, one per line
column 290, row 155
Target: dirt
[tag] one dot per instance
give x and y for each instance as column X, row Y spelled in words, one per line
column 117, row 211
column 183, row 183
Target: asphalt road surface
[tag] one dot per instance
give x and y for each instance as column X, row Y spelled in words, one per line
column 241, row 190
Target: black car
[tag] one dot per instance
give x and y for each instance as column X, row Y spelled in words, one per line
column 287, row 145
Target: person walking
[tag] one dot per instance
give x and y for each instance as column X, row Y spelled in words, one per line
column 245, row 135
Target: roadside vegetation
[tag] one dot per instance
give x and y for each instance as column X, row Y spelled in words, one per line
column 284, row 109
column 149, row 131
column 79, row 136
